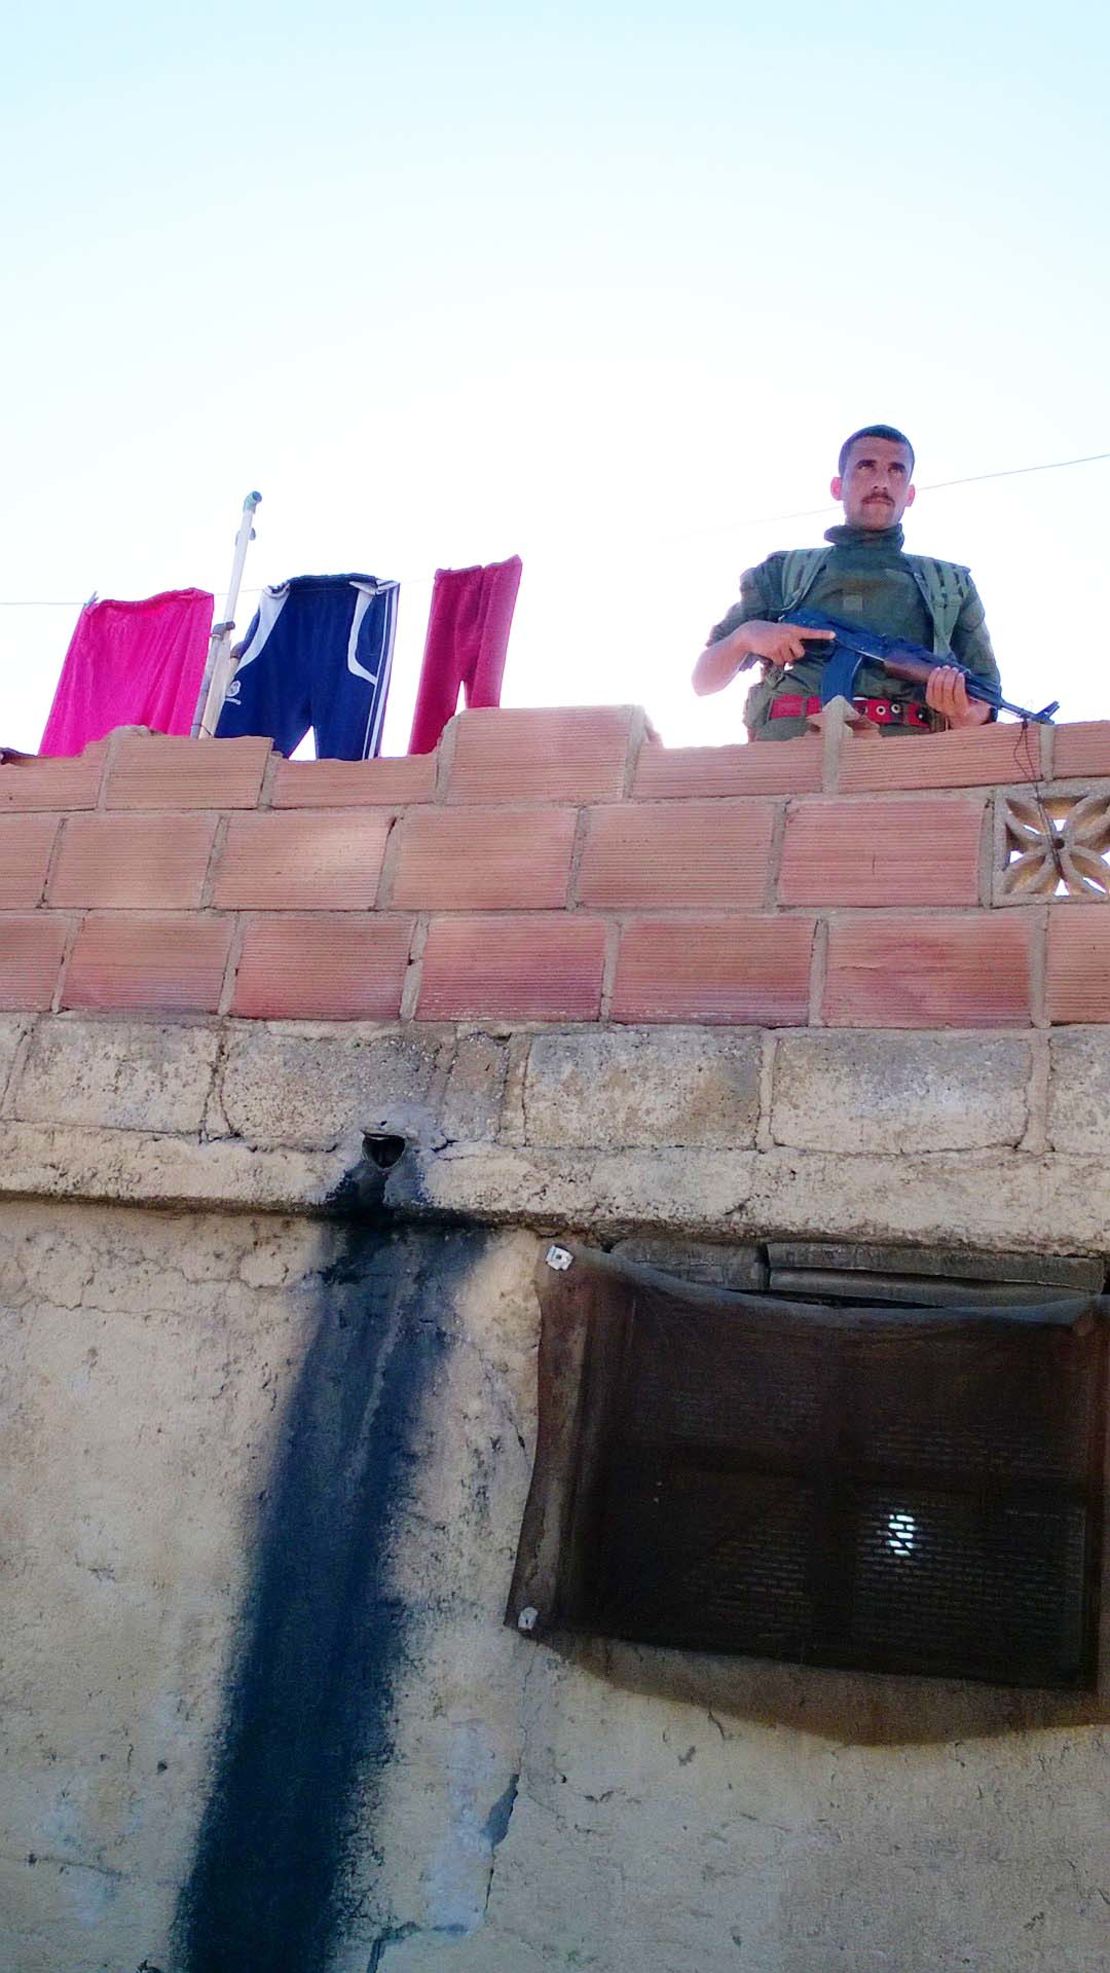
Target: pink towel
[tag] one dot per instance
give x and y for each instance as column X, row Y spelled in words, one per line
column 131, row 664
column 468, row 638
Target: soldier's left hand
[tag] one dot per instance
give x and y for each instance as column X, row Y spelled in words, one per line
column 946, row 693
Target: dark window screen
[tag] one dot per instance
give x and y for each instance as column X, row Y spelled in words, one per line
column 910, row 1490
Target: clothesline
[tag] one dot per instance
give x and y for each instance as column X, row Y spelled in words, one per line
column 755, row 520
column 317, row 656
column 79, row 602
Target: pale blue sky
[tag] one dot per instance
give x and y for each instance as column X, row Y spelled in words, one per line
column 602, row 286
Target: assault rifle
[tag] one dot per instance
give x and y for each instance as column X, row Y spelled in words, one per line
column 898, row 658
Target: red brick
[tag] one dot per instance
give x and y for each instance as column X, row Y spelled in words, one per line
column 323, row 967
column 486, row 859
column 975, row 757
column 528, row 968
column 123, row 863
column 159, row 960
column 739, row 969
column 355, row 783
column 1080, row 749
column 681, row 854
column 882, row 852
column 541, row 754
column 42, row 782
column 929, row 972
column 31, row 950
column 25, row 845
column 157, row 770
column 780, row 767
column 327, row 860
column 1078, row 975
column 158, row 862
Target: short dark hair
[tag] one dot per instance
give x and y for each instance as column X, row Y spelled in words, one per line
column 873, row 431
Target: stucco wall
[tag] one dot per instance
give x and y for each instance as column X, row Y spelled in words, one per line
column 262, row 1490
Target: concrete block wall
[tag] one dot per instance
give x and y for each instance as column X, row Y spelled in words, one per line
column 550, row 865
column 987, row 1141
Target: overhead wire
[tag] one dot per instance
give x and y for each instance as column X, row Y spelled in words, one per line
column 751, row 520
column 926, row 486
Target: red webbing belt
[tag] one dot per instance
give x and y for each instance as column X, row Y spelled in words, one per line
column 881, row 712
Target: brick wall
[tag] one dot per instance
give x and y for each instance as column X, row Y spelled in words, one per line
column 552, row 865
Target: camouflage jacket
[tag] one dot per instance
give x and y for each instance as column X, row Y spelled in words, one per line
column 865, row 578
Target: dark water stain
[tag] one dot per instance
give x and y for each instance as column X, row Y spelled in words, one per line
column 497, row 1822
column 307, row 1715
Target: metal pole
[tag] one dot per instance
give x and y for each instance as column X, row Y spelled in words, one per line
column 217, row 670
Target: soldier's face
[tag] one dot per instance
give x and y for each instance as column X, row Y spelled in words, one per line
column 876, row 487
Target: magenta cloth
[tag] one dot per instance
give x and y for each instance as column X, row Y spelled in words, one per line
column 468, row 637
column 131, row 664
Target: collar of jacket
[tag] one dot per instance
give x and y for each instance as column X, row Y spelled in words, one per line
column 850, row 537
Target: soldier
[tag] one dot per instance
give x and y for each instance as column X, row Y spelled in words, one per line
column 865, row 579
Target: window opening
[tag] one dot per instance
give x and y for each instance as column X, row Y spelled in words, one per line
column 836, row 1482
column 901, row 1533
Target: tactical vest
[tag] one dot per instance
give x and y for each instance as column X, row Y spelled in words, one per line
column 945, row 587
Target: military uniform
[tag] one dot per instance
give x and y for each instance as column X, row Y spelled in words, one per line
column 864, row 578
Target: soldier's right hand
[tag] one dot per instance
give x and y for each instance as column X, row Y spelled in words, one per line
column 780, row 643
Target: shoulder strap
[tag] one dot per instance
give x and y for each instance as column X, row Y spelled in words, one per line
column 945, row 588
column 800, row 570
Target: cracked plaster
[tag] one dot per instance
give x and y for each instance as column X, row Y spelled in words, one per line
column 671, row 1810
